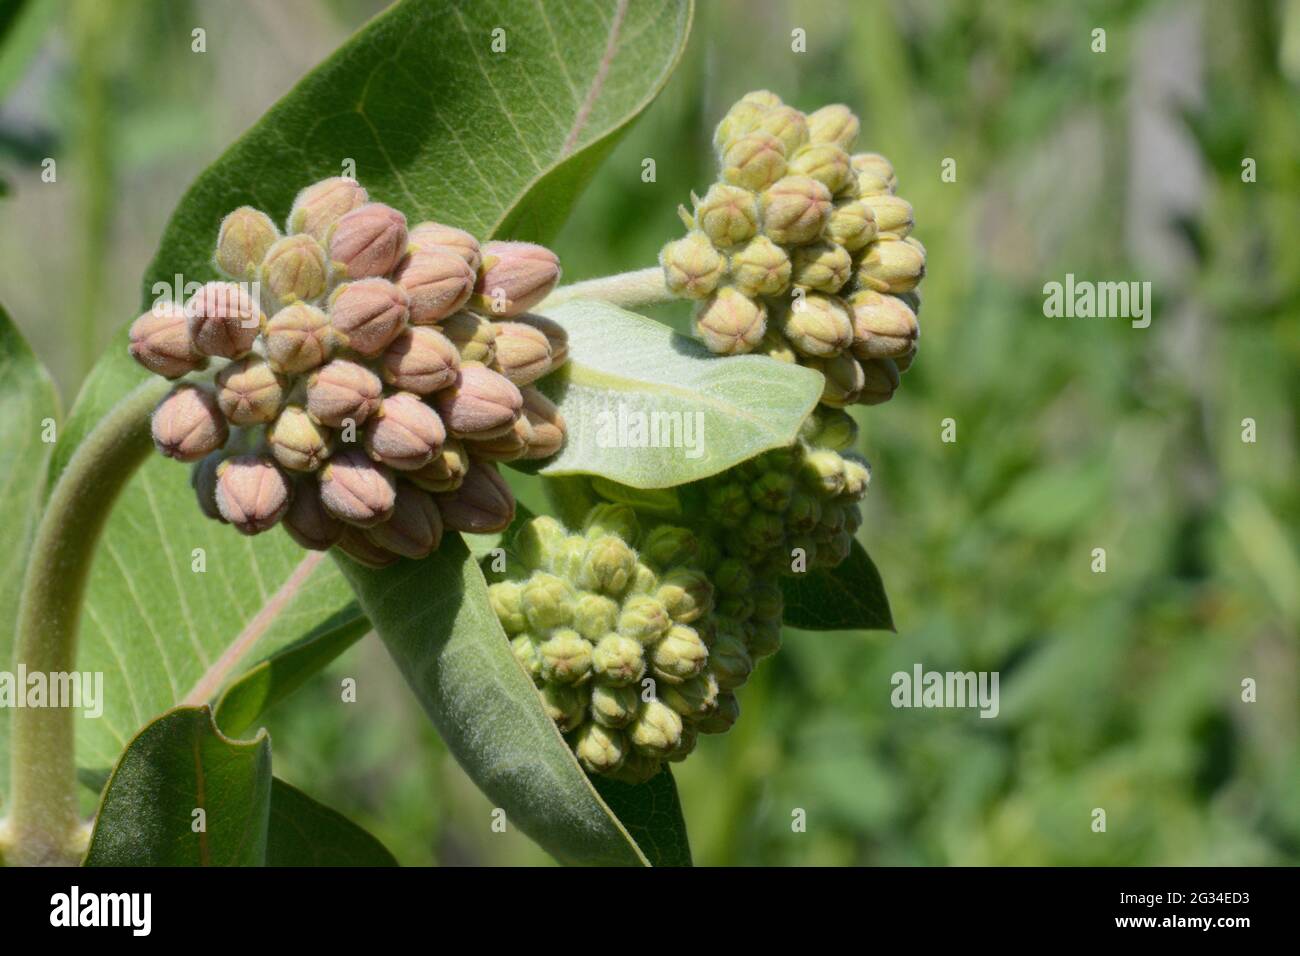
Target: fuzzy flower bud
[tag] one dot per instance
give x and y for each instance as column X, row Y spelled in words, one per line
column 822, row 473
column 523, row 353
column 249, row 391
column 420, row 360
column 724, row 716
column 612, row 519
column 819, row 325
column 693, row 699
column 772, row 491
column 223, row 320
column 357, row 545
column 437, row 281
column 343, row 391
column 692, row 266
column 875, row 174
column 830, row 428
column 777, row 346
column 892, row 265
column 615, row 706
column 480, row 404
column 356, row 490
column 764, row 639
column 852, row 225
column 369, row 314
column 644, row 619
column 618, row 660
column 298, row 339
column 833, row 124
column 446, row 471
column 821, row 266
column 729, row 659
column 742, row 118
column 656, row 730
column 668, row 546
column 548, row 428
column 242, row 241
column 565, row 704
column 294, row 270
column 368, row 241
column 322, row 204
column 555, row 335
column 686, row 594
column 475, row 337
column 524, row 647
column 297, row 442
column 796, row 210
column 515, row 276
column 307, row 521
column 880, row 381
column 893, row 215
column 599, row 749
column 160, row 341
column 404, row 433
column 482, row 504
column 883, row 325
column 506, row 599
column 679, row 655
column 548, row 602
column 414, row 530
column 187, row 425
column 857, row 477
column 431, row 236
column 727, row 215
column 754, row 161
column 252, row 494
column 763, row 98
column 844, row 379
column 761, row 267
column 824, row 162
column 510, row 446
column 537, row 541
column 608, row 566
column 728, row 503
column 730, row 323
column 595, row 615
column 788, row 125
column 566, row 657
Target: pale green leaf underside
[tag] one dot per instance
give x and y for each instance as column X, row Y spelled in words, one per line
column 652, row 409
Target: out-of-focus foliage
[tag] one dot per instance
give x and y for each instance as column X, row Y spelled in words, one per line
column 1119, row 690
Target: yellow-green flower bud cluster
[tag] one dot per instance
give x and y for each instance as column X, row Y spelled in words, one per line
column 802, row 250
column 369, row 378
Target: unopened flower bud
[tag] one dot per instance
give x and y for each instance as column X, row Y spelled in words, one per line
column 249, row 391
column 763, row 531
column 729, row 659
column 724, row 716
column 776, row 346
column 435, row 235
column 525, row 648
column 369, row 241
column 322, row 204
column 203, row 479
column 618, row 660
column 822, row 473
column 875, row 174
column 819, row 325
column 608, row 566
column 772, row 491
column 356, row 490
column 880, row 381
column 615, row 706
column 548, row 428
column 686, row 593
column 294, row 270
column 548, row 602
column 223, row 320
column 160, row 341
column 883, row 325
column 298, row 339
column 437, row 281
column 727, row 215
column 405, row 433
column 307, row 521
column 788, row 125
column 656, row 730
column 764, row 98
column 368, row 315
column 796, row 210
column 252, row 494
column 616, row 519
column 763, row 638
column 754, row 161
column 414, row 530
column 420, row 360
column 679, row 655
column 892, row 265
column 730, row 322
column 857, row 477
column 693, row 699
column 242, row 241
column 644, row 619
column 510, row 446
column 668, row 546
column 844, row 379
column 187, row 425
column 506, row 599
column 297, row 442
column 833, row 124
column 728, row 503
column 824, row 162
column 523, row 353
column 447, row 469
column 904, row 362
column 515, row 276
column 566, row 657
column 830, row 428
column 893, row 215
column 481, row 403
column 821, row 266
column 475, row 337
column 852, row 225
column 595, row 615
column 693, row 268
column 357, row 545
column 482, row 504
column 537, row 540
column 761, row 267
column 741, row 119
column 599, row 749
column 565, row 704
column 341, row 392
column 769, row 602
column 555, row 335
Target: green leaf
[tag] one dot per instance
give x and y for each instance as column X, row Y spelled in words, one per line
column 28, row 397
column 850, row 597
column 176, row 766
column 434, row 617
column 306, row 833
column 649, row 408
column 653, row 816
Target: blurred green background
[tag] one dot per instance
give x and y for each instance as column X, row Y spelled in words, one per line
column 1119, row 690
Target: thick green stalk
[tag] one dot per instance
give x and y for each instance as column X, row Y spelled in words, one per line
column 43, row 825
column 628, row 290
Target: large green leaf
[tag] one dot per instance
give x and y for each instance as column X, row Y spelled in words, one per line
column 28, row 398
column 649, row 408
column 434, row 617
column 653, row 816
column 850, row 597
column 306, row 833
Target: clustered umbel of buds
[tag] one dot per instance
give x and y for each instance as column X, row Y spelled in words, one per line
column 802, row 251
column 638, row 631
column 370, row 376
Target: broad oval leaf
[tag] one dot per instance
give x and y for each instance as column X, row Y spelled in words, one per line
column 435, row 619
column 306, row 833
column 848, row 597
column 653, row 816
column 649, row 408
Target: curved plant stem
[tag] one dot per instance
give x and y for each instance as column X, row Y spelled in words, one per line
column 43, row 825
column 628, row 290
